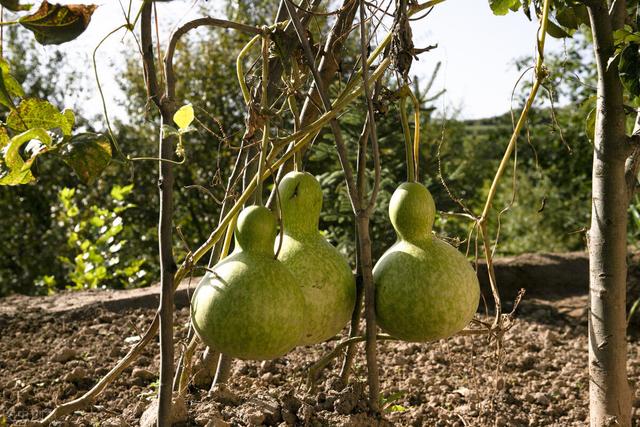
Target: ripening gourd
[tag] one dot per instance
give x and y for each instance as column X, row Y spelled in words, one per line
column 425, row 289
column 250, row 306
column 323, row 274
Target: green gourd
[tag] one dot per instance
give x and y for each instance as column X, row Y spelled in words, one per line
column 250, row 306
column 323, row 273
column 425, row 288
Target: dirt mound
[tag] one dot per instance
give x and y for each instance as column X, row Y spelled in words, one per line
column 53, row 349
column 47, row 358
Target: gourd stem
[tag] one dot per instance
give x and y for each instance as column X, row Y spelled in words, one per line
column 407, row 140
column 540, row 74
column 228, row 237
column 416, row 134
column 293, row 107
column 240, row 69
column 264, row 106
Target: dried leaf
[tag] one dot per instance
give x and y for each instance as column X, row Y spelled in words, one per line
column 88, row 154
column 57, row 24
column 14, row 5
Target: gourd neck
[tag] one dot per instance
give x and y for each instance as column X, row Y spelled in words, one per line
column 258, row 247
column 421, row 241
column 255, row 231
column 301, row 204
column 412, row 212
column 300, row 228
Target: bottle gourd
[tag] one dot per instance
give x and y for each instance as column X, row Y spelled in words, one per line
column 425, row 288
column 250, row 306
column 323, row 274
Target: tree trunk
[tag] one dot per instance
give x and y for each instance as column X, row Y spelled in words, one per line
column 167, row 270
column 609, row 394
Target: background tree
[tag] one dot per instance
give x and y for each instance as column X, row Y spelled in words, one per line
column 550, row 167
column 614, row 37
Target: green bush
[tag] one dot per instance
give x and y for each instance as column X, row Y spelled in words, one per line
column 95, row 244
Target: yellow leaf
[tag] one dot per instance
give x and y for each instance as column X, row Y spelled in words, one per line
column 184, row 116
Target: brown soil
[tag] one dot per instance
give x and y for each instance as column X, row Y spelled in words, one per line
column 51, row 356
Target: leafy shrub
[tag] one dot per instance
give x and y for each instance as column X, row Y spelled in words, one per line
column 95, row 242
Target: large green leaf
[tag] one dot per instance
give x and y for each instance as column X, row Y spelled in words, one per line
column 625, row 36
column 57, row 24
column 9, row 86
column 567, row 18
column 5, row 96
column 502, row 7
column 556, row 31
column 14, row 170
column 88, row 154
column 39, row 113
column 14, row 5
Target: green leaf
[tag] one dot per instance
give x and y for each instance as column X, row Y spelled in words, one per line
column 4, row 139
column 14, row 5
column 556, row 31
column 13, row 86
column 9, row 86
column 629, row 69
column 184, row 116
column 88, row 154
column 567, row 18
column 57, row 24
column 70, row 116
column 39, row 113
column 5, row 96
column 120, row 192
column 526, row 8
column 502, row 7
column 14, row 170
column 625, row 35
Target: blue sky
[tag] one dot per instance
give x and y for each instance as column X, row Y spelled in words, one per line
column 477, row 50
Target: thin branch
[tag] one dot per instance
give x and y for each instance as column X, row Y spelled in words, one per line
column 373, row 133
column 200, row 22
column 335, row 127
column 540, row 73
